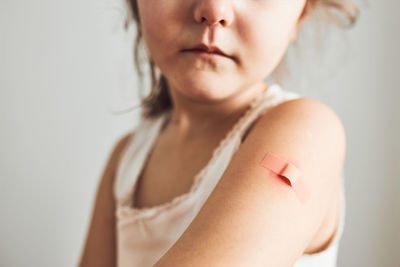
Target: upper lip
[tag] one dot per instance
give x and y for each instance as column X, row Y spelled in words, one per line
column 209, row 49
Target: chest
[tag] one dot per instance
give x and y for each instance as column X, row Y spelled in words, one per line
column 168, row 173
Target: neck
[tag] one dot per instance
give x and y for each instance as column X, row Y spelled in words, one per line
column 190, row 119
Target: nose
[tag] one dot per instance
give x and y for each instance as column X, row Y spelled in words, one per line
column 213, row 12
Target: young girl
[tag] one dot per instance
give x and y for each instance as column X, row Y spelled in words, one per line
column 194, row 185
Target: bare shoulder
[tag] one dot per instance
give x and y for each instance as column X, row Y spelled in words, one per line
column 100, row 243
column 307, row 116
column 120, row 146
column 311, row 107
column 115, row 155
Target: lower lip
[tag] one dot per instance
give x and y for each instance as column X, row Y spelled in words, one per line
column 205, row 54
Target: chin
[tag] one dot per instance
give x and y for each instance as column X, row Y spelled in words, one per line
column 206, row 87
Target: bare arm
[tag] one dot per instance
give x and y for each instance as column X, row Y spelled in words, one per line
column 100, row 245
column 252, row 217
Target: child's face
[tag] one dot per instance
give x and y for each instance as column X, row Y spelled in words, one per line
column 254, row 33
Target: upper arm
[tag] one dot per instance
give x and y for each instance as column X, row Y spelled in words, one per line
column 252, row 218
column 100, row 246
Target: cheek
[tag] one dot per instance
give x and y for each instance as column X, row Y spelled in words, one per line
column 157, row 25
column 150, row 24
column 266, row 42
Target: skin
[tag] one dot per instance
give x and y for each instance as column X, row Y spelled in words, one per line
column 208, row 95
column 251, row 218
column 218, row 89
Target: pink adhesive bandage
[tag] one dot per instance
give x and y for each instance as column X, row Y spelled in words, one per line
column 281, row 167
column 288, row 171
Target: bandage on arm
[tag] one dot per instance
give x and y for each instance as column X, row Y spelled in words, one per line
column 288, row 172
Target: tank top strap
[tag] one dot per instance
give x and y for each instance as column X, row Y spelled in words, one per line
column 273, row 96
column 134, row 156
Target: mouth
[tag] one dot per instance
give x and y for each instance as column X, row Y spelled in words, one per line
column 204, row 49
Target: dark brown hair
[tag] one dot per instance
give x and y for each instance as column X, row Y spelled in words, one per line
column 343, row 13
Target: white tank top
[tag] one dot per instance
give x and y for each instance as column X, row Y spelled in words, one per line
column 145, row 234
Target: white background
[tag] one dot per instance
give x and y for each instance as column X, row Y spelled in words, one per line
column 65, row 65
